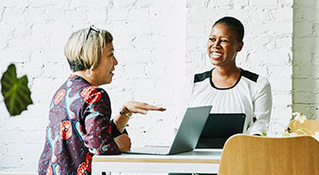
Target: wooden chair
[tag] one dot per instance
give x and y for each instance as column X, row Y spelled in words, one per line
column 309, row 127
column 256, row 155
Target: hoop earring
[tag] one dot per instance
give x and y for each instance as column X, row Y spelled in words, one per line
column 88, row 72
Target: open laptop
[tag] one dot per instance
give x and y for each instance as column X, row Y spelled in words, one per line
column 187, row 135
column 218, row 128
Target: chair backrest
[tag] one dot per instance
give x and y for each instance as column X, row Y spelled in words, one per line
column 256, row 155
column 308, row 127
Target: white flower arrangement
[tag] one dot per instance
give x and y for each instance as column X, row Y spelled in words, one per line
column 301, row 118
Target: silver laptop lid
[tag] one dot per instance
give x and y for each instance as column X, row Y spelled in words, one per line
column 190, row 129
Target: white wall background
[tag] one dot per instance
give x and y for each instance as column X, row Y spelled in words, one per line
column 157, row 43
column 306, row 58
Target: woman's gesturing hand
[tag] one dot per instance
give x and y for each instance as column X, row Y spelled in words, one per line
column 142, row 108
column 132, row 107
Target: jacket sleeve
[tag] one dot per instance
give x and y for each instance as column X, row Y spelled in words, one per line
column 262, row 108
column 100, row 129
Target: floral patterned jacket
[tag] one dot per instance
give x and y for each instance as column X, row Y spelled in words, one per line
column 79, row 126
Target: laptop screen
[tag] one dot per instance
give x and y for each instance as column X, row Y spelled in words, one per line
column 218, row 128
column 186, row 137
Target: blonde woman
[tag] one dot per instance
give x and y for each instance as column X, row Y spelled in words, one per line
column 80, row 123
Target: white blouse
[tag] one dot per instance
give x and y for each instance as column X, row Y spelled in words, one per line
column 250, row 95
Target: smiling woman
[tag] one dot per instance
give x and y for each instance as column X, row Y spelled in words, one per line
column 80, row 122
column 228, row 88
column 95, row 51
column 223, row 45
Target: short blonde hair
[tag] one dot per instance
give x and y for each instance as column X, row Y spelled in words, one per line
column 84, row 48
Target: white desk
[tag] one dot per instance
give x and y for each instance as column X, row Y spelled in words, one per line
column 200, row 161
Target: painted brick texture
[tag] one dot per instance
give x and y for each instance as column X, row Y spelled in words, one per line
column 157, row 44
column 306, row 58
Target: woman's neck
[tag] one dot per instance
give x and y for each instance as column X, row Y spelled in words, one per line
column 223, row 77
column 226, row 71
column 83, row 75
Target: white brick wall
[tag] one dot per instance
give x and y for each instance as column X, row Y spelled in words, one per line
column 157, row 42
column 305, row 60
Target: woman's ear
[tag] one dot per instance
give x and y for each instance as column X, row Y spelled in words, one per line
column 240, row 46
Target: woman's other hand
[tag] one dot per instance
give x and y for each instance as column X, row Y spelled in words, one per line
column 123, row 142
column 133, row 107
column 142, row 108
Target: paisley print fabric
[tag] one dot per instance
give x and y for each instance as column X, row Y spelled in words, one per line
column 79, row 127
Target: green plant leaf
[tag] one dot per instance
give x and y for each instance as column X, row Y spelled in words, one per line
column 264, row 134
column 15, row 91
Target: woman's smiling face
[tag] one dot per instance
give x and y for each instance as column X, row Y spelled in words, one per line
column 103, row 74
column 223, row 45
